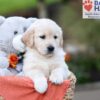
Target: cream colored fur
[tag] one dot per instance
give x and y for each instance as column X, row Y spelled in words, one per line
column 40, row 65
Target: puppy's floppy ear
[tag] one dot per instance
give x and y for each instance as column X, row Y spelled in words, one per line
column 28, row 38
column 61, row 41
column 61, row 38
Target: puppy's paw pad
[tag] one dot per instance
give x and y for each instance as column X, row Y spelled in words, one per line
column 41, row 86
column 56, row 79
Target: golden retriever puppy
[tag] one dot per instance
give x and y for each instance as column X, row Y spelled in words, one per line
column 44, row 57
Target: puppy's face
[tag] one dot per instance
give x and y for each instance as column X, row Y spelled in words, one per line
column 45, row 36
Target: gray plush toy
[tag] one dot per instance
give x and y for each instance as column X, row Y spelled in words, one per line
column 9, row 28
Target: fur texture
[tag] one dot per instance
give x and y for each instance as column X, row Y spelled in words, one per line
column 9, row 28
column 44, row 58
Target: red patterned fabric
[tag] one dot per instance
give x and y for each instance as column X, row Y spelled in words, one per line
column 22, row 88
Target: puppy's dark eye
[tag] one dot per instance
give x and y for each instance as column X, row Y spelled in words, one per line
column 55, row 37
column 43, row 37
column 15, row 32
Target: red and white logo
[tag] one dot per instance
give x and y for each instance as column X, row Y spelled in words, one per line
column 91, row 9
column 88, row 4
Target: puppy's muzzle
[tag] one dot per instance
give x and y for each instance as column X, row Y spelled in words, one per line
column 50, row 49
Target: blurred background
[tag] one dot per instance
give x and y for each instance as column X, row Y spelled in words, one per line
column 81, row 38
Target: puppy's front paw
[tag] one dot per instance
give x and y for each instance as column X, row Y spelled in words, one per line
column 56, row 78
column 41, row 85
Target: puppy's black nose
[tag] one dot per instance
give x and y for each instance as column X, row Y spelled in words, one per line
column 50, row 48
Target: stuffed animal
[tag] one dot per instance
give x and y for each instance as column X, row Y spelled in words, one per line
column 9, row 28
column 2, row 19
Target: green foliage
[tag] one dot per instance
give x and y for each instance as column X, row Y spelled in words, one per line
column 7, row 6
column 82, row 65
column 52, row 1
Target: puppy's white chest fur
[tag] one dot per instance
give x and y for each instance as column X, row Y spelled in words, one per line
column 35, row 61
